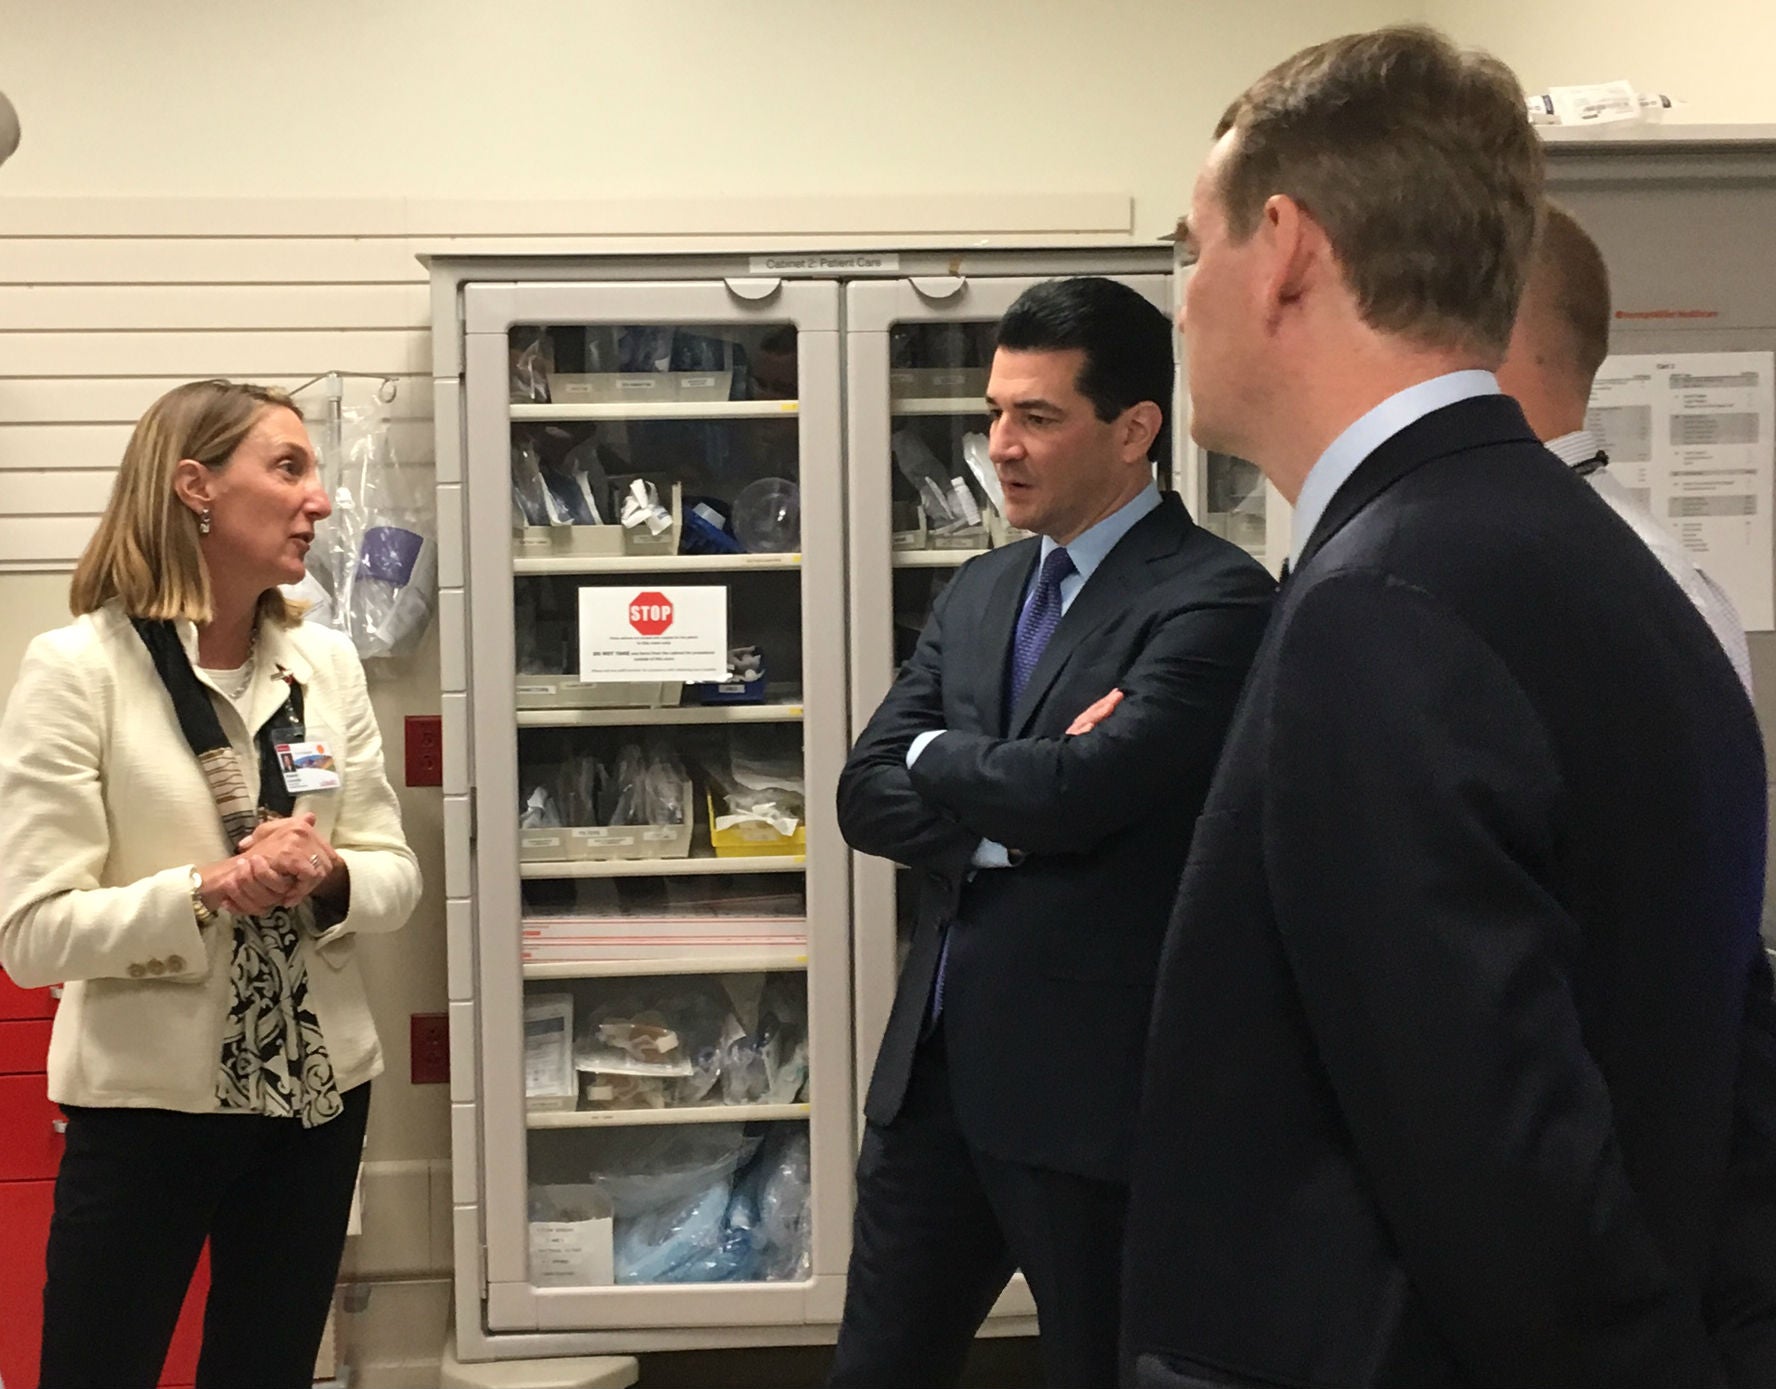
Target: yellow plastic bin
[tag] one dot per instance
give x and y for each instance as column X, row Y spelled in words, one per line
column 754, row 838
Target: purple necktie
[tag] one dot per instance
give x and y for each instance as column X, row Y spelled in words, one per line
column 1036, row 624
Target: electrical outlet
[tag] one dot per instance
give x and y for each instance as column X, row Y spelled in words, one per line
column 425, row 750
column 430, row 1050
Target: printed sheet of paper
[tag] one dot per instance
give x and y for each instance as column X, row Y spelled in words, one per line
column 1690, row 434
column 641, row 632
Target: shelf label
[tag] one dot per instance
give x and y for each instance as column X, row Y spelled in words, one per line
column 640, row 632
column 816, row 264
column 602, row 837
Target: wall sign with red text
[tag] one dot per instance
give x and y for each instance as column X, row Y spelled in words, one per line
column 637, row 631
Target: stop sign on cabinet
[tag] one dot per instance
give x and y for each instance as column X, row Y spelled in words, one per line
column 650, row 613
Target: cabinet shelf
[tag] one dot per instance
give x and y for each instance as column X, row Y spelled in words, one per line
column 934, row 559
column 651, row 564
column 938, row 405
column 661, row 867
column 774, row 711
column 662, row 410
column 697, row 1114
column 777, row 961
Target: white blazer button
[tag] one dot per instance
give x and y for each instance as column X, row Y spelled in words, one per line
column 157, row 967
column 137, row 971
column 175, row 964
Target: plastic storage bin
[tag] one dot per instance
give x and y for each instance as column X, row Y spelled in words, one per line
column 639, row 388
column 927, row 383
column 595, row 542
column 570, row 692
column 754, row 838
column 581, row 842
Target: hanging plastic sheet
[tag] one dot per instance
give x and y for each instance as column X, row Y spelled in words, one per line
column 373, row 570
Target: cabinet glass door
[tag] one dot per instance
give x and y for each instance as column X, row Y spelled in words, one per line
column 660, row 888
column 921, row 502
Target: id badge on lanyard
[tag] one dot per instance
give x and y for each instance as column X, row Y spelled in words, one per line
column 306, row 766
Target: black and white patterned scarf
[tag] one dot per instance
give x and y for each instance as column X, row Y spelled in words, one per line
column 274, row 1058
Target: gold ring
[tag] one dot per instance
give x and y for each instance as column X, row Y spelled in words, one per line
column 314, row 860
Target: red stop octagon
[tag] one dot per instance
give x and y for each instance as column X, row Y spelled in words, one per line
column 650, row 613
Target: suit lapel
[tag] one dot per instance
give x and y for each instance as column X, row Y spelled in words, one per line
column 997, row 625
column 1478, row 422
column 1108, row 592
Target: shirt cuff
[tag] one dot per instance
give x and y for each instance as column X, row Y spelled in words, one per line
column 923, row 741
column 990, row 854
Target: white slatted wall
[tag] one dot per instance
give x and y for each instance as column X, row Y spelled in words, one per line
column 103, row 306
column 106, row 303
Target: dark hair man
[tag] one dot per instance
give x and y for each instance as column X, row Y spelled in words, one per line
column 1047, row 846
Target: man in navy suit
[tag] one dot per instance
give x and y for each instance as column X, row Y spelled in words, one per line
column 1462, row 1070
column 1047, row 846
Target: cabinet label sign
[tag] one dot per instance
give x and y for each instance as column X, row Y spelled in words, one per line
column 635, row 632
column 830, row 263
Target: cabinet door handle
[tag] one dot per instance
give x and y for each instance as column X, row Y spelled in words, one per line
column 59, row 1125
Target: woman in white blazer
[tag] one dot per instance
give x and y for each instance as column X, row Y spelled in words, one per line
column 196, row 829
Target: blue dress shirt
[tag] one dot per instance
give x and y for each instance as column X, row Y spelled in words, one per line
column 1369, row 433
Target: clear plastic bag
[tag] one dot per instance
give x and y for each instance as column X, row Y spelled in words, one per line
column 765, row 1057
column 760, row 784
column 631, row 780
column 583, row 463
column 665, row 784
column 573, row 501
column 630, row 1041
column 930, row 481
column 781, row 1234
column 540, row 812
column 699, row 1016
column 530, row 494
column 386, row 586
column 532, row 355
column 643, row 1170
column 661, row 1244
column 578, row 788
column 645, row 348
column 980, row 464
column 749, row 1223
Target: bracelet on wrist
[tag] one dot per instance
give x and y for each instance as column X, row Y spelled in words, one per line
column 199, row 908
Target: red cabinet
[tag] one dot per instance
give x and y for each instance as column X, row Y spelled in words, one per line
column 30, row 1151
column 24, row 1230
column 25, row 1003
column 30, row 1129
column 24, row 1045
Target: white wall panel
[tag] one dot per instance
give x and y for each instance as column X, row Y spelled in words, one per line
column 67, row 492
column 38, row 542
column 122, row 399
column 77, row 447
column 212, row 306
column 186, row 355
column 152, row 260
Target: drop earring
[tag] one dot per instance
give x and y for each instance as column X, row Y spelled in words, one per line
column 203, row 521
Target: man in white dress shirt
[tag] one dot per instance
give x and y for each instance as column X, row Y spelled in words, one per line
column 1561, row 339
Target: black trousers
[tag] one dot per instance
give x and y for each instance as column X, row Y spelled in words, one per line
column 138, row 1193
column 941, row 1226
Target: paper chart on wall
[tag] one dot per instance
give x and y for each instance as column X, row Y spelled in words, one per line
column 1691, row 436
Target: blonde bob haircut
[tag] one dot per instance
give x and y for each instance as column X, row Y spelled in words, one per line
column 146, row 550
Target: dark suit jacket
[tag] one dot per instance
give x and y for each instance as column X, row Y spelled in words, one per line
column 1462, row 1069
column 1051, row 963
